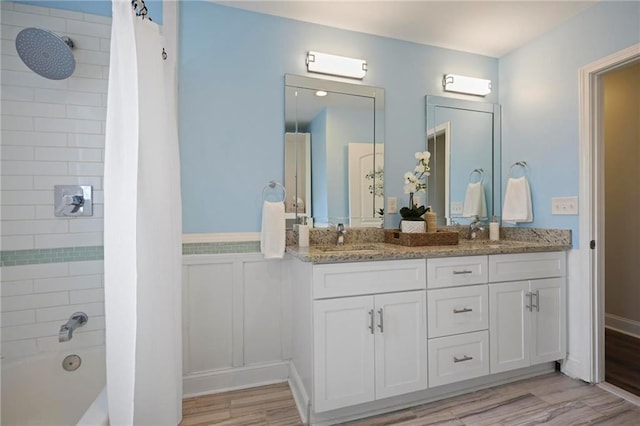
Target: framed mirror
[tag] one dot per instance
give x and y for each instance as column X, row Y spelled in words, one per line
column 464, row 140
column 334, row 152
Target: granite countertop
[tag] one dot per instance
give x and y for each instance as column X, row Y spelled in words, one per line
column 369, row 245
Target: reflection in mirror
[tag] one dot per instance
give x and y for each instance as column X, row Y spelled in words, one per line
column 464, row 140
column 334, row 154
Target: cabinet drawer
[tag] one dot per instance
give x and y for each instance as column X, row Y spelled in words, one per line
column 456, row 358
column 526, row 266
column 454, row 271
column 350, row 279
column 458, row 310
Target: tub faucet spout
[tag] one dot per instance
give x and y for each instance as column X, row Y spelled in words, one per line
column 78, row 319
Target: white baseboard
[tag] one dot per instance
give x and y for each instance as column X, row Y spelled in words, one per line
column 235, row 378
column 623, row 325
column 299, row 394
column 575, row 369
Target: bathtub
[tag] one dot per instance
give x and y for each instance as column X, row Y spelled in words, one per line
column 38, row 391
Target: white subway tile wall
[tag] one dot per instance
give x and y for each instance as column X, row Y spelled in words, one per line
column 52, row 134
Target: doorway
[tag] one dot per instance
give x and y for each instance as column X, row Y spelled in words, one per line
column 606, row 254
column 621, row 148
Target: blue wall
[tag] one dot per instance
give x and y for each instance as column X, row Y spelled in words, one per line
column 95, row 7
column 539, row 97
column 231, row 104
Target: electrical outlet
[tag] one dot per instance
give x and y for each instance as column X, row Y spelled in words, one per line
column 564, row 205
column 392, row 205
column 456, row 207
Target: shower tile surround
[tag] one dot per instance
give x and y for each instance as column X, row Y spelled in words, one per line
column 52, row 134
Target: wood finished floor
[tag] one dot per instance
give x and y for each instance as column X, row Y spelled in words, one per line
column 622, row 361
column 552, row 399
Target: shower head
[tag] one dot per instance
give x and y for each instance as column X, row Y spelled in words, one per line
column 45, row 53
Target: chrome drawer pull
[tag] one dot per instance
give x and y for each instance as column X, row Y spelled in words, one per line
column 463, row 359
column 381, row 325
column 371, row 326
column 464, row 271
column 529, row 295
column 462, row 311
column 537, row 305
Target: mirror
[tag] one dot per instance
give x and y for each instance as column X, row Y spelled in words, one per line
column 464, row 140
column 334, row 152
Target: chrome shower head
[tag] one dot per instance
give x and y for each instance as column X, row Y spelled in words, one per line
column 45, row 53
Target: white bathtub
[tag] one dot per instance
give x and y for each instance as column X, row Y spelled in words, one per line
column 38, row 391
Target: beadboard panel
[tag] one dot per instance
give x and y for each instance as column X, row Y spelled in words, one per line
column 235, row 318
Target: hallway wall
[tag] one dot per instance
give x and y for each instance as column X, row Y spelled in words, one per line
column 622, row 196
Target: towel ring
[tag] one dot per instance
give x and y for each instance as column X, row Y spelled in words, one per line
column 522, row 164
column 480, row 173
column 271, row 185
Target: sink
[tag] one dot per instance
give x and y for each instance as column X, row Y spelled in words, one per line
column 349, row 248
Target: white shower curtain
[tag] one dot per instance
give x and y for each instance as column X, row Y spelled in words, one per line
column 142, row 243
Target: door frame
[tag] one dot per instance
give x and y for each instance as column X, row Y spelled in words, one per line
column 591, row 202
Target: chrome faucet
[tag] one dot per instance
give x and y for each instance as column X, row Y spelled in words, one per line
column 341, row 232
column 474, row 228
column 78, row 319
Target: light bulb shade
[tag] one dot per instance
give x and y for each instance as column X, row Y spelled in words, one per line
column 468, row 85
column 342, row 66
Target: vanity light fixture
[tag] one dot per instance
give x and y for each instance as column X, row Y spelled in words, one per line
column 468, row 85
column 342, row 66
column 321, row 93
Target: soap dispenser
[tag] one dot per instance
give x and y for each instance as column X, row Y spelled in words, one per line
column 303, row 233
column 494, row 229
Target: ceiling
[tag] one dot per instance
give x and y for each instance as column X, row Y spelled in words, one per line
column 491, row 28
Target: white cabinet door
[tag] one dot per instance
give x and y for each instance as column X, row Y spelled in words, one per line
column 343, row 352
column 509, row 326
column 548, row 320
column 400, row 343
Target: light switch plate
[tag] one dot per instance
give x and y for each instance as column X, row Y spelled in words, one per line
column 564, row 205
column 392, row 205
column 456, row 207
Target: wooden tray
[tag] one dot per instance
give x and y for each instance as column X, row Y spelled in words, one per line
column 414, row 239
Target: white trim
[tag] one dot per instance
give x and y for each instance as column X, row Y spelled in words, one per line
column 628, row 396
column 590, row 204
column 300, row 396
column 230, row 379
column 444, row 129
column 219, row 238
column 622, row 325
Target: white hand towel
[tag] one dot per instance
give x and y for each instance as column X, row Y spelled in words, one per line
column 475, row 203
column 272, row 237
column 517, row 201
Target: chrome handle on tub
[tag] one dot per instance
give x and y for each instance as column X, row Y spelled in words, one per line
column 464, row 271
column 463, row 359
column 537, row 305
column 462, row 311
column 381, row 325
column 529, row 295
column 371, row 326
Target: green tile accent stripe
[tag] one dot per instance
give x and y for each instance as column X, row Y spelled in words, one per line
column 52, row 255
column 222, row 247
column 77, row 254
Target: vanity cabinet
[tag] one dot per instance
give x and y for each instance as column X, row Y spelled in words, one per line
column 528, row 313
column 368, row 347
column 377, row 335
